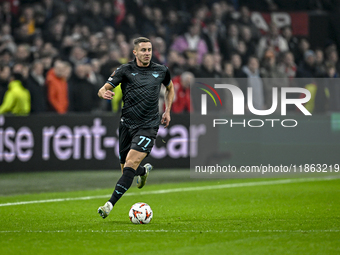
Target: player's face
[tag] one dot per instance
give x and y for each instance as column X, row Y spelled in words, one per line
column 143, row 53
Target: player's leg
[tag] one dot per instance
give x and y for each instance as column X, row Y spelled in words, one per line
column 141, row 178
column 133, row 160
column 124, row 147
column 143, row 141
column 139, row 171
column 141, row 146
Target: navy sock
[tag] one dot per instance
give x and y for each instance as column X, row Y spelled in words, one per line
column 123, row 184
column 140, row 170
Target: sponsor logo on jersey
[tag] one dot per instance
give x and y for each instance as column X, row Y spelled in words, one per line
column 155, row 74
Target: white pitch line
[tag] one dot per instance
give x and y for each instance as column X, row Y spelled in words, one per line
column 166, row 191
column 177, row 231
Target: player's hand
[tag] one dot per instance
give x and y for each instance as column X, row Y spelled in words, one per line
column 108, row 94
column 166, row 119
column 105, row 92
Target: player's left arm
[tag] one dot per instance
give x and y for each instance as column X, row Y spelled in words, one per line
column 169, row 97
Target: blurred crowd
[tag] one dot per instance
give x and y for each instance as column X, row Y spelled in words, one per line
column 56, row 54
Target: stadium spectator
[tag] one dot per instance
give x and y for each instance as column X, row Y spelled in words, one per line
column 57, row 87
column 307, row 68
column 191, row 40
column 303, row 46
column 36, row 86
column 220, row 14
column 6, row 58
column 78, row 56
column 5, row 72
column 22, row 54
column 228, row 78
column 37, row 46
column 244, row 20
column 182, row 101
column 54, row 34
column 158, row 22
column 74, row 10
column 236, row 61
column 66, row 46
column 7, row 43
column 93, row 18
column 175, row 63
column 173, row 27
column 47, row 62
column 109, row 35
column 129, row 26
column 94, row 75
column 272, row 77
column 97, row 80
column 333, row 59
column 242, row 50
column 212, row 37
column 53, row 8
column 17, row 99
column 246, row 36
column 27, row 19
column 6, row 30
column 23, row 69
column 120, row 38
column 147, row 23
column 255, row 82
column 107, row 14
column 319, row 62
column 293, row 41
column 83, row 97
column 231, row 43
column 207, row 69
column 22, row 35
column 125, row 51
column 272, row 40
column 288, row 65
column 6, row 16
column 48, row 49
column 200, row 15
column 191, row 64
column 40, row 21
column 218, row 62
column 327, row 96
column 159, row 50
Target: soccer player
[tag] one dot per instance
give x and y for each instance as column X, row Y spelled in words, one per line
column 141, row 81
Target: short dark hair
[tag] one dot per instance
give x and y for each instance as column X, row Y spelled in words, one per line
column 140, row 40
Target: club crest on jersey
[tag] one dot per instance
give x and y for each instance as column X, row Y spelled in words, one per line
column 155, row 74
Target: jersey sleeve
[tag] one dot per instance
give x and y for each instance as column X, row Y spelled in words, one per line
column 116, row 77
column 167, row 78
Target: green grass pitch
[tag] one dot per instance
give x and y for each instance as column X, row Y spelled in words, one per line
column 239, row 216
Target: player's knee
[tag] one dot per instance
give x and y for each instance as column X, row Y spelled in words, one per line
column 132, row 163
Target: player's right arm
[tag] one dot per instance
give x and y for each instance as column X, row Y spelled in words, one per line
column 115, row 78
column 106, row 92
